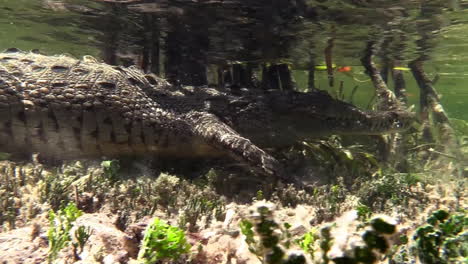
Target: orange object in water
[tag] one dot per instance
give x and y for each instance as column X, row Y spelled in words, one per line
column 344, row 69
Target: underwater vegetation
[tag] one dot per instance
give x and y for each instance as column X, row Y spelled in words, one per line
column 398, row 198
column 162, row 241
column 419, row 228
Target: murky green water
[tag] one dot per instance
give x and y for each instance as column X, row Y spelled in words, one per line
column 193, row 36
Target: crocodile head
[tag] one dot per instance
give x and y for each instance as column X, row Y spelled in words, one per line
column 319, row 112
column 298, row 116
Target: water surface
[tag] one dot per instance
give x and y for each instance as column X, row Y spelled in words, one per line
column 188, row 41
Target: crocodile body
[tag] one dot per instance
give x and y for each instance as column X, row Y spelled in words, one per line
column 66, row 108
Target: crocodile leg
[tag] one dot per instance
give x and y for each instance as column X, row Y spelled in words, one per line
column 219, row 135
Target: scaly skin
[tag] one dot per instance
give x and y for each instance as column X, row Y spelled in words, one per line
column 66, row 108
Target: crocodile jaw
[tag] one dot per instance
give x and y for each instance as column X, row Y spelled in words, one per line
column 365, row 123
column 317, row 113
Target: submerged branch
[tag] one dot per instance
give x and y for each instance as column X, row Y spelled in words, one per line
column 277, row 77
column 328, row 60
column 311, row 77
column 399, row 85
column 386, row 98
column 430, row 98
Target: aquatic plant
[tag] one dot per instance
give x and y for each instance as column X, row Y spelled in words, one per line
column 347, row 240
column 334, row 157
column 9, row 190
column 61, row 222
column 363, row 212
column 111, row 168
column 162, row 241
column 388, row 188
column 261, row 235
column 198, row 207
column 81, row 235
column 444, row 239
column 307, row 241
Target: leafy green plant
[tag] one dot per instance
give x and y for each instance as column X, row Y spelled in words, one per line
column 82, row 235
column 246, row 227
column 363, row 212
column 262, row 238
column 59, row 230
column 55, row 190
column 388, row 189
column 199, row 206
column 111, row 168
column 325, row 242
column 337, row 195
column 337, row 159
column 166, row 188
column 308, row 240
column 349, row 240
column 444, row 239
column 9, row 192
column 55, row 187
column 162, row 241
column 260, row 196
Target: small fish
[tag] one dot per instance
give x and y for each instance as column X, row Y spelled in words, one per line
column 401, row 68
column 323, row 67
column 344, row 69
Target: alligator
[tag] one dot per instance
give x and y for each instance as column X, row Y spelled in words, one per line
column 65, row 108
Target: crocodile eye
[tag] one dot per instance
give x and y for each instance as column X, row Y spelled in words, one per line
column 394, row 116
column 398, row 124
